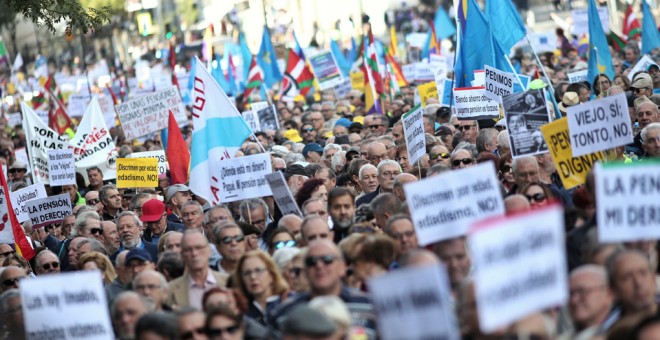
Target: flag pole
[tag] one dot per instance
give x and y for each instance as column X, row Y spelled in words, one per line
column 550, row 87
column 456, row 47
column 514, row 71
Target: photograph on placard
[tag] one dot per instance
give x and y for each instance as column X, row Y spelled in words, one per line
column 525, row 113
column 268, row 118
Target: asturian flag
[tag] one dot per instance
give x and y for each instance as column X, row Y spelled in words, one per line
column 219, row 132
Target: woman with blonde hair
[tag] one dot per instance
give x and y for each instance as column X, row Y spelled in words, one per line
column 98, row 261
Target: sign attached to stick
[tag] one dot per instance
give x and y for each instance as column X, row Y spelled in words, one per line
column 342, row 90
column 525, row 113
column 520, row 266
column 414, row 309
column 427, row 91
column 444, row 206
column 600, row 124
column 357, row 80
column 150, row 113
column 252, row 120
column 413, row 130
column 471, row 103
column 52, row 209
column 243, row 177
column 137, row 172
column 61, row 167
column 642, row 65
column 577, row 76
column 158, row 154
column 498, row 83
column 282, row 194
column 19, row 199
column 408, row 71
column 325, row 70
column 423, row 72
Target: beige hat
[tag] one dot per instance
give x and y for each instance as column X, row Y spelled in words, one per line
column 642, row 100
column 569, row 99
column 642, row 80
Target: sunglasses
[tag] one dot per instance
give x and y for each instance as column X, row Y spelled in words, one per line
column 48, row 266
column 434, row 156
column 285, row 244
column 506, row 168
column 374, row 126
column 465, row 127
column 95, row 231
column 229, row 239
column 311, row 261
column 308, row 130
column 7, row 253
column 11, row 282
column 191, row 334
column 295, row 271
column 457, row 162
column 93, row 201
column 13, row 171
column 216, row 332
column 536, row 197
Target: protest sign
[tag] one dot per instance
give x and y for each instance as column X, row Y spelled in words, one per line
column 77, row 104
column 357, row 80
column 20, row 197
column 6, row 232
column 157, row 154
column 440, row 78
column 628, row 196
column 150, row 113
column 61, row 167
column 525, row 113
column 22, row 156
column 252, row 120
column 423, row 72
column 40, row 139
column 14, row 119
column 414, row 309
column 408, row 71
column 479, row 78
column 427, row 91
column 572, row 170
column 642, row 65
column 343, row 88
column 137, row 172
column 578, row 76
column 438, row 63
column 325, row 70
column 413, row 130
column 282, row 194
column 267, row 118
column 519, row 266
column 497, row 83
column 471, row 103
column 47, row 210
column 50, row 301
column 600, row 124
column 581, row 20
column 243, row 177
column 444, row 206
column 416, row 39
column 541, row 41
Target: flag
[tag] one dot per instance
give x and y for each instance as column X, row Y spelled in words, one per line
column 297, row 77
column 218, row 133
column 444, row 26
column 354, row 53
column 246, row 54
column 583, row 45
column 373, row 83
column 41, row 67
column 650, row 35
column 52, row 87
column 254, row 81
column 231, row 76
column 207, row 43
column 58, row 119
column 616, row 41
column 39, row 140
column 507, row 27
column 431, row 46
column 631, row 28
column 298, row 49
column 10, row 229
column 18, row 62
column 476, row 46
column 393, row 48
column 172, row 62
column 220, row 78
column 4, row 56
column 343, row 63
column 267, row 60
column 115, row 100
column 395, row 71
column 178, row 155
column 600, row 60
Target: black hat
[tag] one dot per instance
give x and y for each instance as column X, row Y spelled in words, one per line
column 295, row 169
column 305, row 321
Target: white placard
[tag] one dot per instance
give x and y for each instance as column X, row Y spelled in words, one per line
column 471, row 103
column 642, row 65
column 77, row 104
column 417, row 39
column 49, row 301
column 581, row 20
column 498, row 83
column 578, row 76
column 343, row 89
column 599, row 125
column 158, row 154
column 519, row 266
column 444, row 206
column 52, row 209
column 19, row 198
column 282, row 194
column 22, row 156
column 438, row 62
column 61, row 167
column 423, row 72
column 252, row 120
column 627, row 197
column 150, row 113
column 14, row 119
column 440, row 78
column 243, row 177
column 479, row 78
column 408, row 71
column 414, row 309
column 413, row 130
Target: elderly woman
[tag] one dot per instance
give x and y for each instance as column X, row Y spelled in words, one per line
column 312, row 188
column 98, row 261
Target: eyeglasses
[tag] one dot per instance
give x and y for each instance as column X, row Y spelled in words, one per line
column 284, row 244
column 434, row 156
column 93, row 201
column 7, row 253
column 405, row 234
column 465, row 127
column 48, row 266
column 147, row 286
column 374, row 126
column 539, row 197
column 217, row 332
column 191, row 334
column 229, row 239
column 638, row 90
column 11, row 282
column 506, row 168
column 295, row 271
column 391, row 173
column 256, row 271
column 378, row 158
column 311, row 261
column 13, row 171
column 457, row 162
column 95, row 231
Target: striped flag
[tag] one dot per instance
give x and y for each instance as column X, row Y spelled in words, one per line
column 254, row 81
column 631, row 27
column 373, row 82
column 10, row 229
column 395, row 71
column 297, row 77
column 393, row 49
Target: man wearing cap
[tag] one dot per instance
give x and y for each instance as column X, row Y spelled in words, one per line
column 295, row 175
column 313, row 152
column 137, row 261
column 569, row 99
column 642, row 85
column 17, row 173
column 155, row 221
column 175, row 196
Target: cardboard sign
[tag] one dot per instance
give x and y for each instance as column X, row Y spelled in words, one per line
column 423, row 72
column 413, row 130
column 642, row 65
column 49, row 301
column 282, row 194
column 150, row 113
column 243, row 177
column 61, row 167
column 19, row 198
column 519, row 266
column 137, row 172
column 342, row 89
column 325, row 70
column 427, row 91
column 471, row 103
column 444, row 206
column 357, row 81
column 498, row 83
column 414, row 309
column 408, row 71
column 581, row 20
column 525, row 113
column 479, row 78
column 628, row 197
column 157, row 154
column 252, row 120
column 600, row 124
column 14, row 119
column 578, row 76
column 572, row 170
column 53, row 209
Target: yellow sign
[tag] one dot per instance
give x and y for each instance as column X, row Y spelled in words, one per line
column 144, row 23
column 137, row 172
column 572, row 170
column 426, row 91
column 357, row 81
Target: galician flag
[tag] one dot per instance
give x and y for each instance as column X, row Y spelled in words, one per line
column 219, row 132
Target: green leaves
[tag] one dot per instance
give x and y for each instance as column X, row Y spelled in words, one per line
column 48, row 13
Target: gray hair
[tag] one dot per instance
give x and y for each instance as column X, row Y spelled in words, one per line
column 135, row 217
column 503, row 139
column 149, row 306
column 161, row 277
column 119, row 257
column 42, row 254
column 251, row 204
column 527, row 159
column 103, row 193
column 471, row 148
column 5, row 297
column 338, row 159
column 218, row 229
column 437, row 169
column 138, row 197
column 331, row 146
column 365, row 168
column 195, row 203
column 97, row 246
column 597, row 270
column 214, row 208
column 81, row 221
column 283, row 256
column 293, row 157
column 393, row 219
column 484, row 137
column 387, row 162
column 645, row 131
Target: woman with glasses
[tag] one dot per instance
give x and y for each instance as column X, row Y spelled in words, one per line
column 601, row 84
column 538, row 194
column 222, row 323
column 259, row 285
column 280, row 238
column 505, row 172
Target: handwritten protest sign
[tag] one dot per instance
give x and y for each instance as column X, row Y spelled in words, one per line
column 628, row 196
column 137, row 172
column 150, row 113
column 50, row 301
column 357, row 80
column 325, row 70
column 642, row 65
column 519, row 266
column 498, row 83
column 577, row 76
column 19, row 199
column 471, row 103
column 427, row 91
column 413, row 130
column 572, row 170
column 600, row 124
column 525, row 113
column 61, row 167
column 414, row 309
column 282, row 194
column 157, row 154
column 444, row 206
column 47, row 210
column 243, row 177
column 423, row 72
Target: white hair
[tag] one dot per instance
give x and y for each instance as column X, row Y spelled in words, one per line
column 338, row 159
column 503, row 139
column 365, row 168
column 331, row 146
column 283, row 256
column 645, row 131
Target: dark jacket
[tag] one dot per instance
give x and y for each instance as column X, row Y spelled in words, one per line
column 171, row 226
column 366, row 199
column 148, row 246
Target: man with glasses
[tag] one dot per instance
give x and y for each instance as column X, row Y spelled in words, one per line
column 5, row 250
column 590, row 301
column 651, row 140
column 129, row 227
column 308, row 133
column 470, row 130
column 175, row 196
column 152, row 286
column 10, row 277
column 155, row 221
column 17, row 173
column 642, row 85
column 92, row 200
column 462, row 158
column 137, row 202
column 376, row 152
column 191, row 324
column 439, row 155
column 230, row 242
column 217, row 213
column 316, row 119
column 647, row 113
column 387, row 170
column 525, row 170
column 377, row 126
column 47, row 263
column 314, row 206
column 400, row 228
column 292, row 223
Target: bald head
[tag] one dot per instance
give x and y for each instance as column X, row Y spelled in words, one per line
column 515, row 204
column 418, row 258
column 399, row 182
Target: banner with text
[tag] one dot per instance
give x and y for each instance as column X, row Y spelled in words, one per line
column 577, row 76
column 282, row 194
column 52, row 209
column 19, row 199
column 325, row 70
column 642, row 65
column 61, row 167
column 150, row 113
column 137, row 172
column 427, row 91
column 498, row 83
column 157, row 154
column 413, row 130
column 471, row 103
column 243, row 177
column 40, row 139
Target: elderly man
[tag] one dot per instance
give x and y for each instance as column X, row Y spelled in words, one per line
column 647, row 113
column 383, row 207
column 138, row 260
column 454, row 254
column 462, row 158
column 290, row 222
column 155, row 221
column 230, row 242
column 295, row 175
column 368, row 179
column 175, row 196
column 10, row 277
column 315, row 227
column 74, row 195
column 191, row 324
column 525, row 170
column 125, row 311
column 218, row 213
column 129, row 227
column 328, row 176
column 314, row 206
column 387, row 170
column 192, row 215
column 92, row 200
column 439, row 154
column 47, row 263
column 651, row 140
column 399, row 182
column 377, row 124
column 400, row 228
column 110, row 236
column 118, row 285
column 470, row 130
column 12, row 312
column 487, row 140
column 642, row 85
column 152, row 286
column 254, row 211
column 111, row 200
